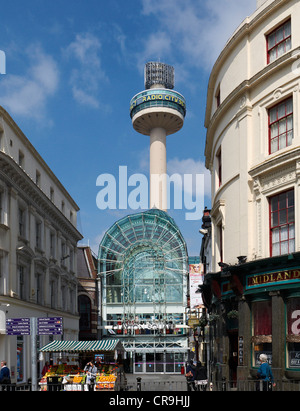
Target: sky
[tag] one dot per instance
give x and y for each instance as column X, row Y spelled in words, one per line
column 72, row 68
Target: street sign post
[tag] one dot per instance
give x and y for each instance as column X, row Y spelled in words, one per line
column 18, row 326
column 34, row 326
column 50, row 326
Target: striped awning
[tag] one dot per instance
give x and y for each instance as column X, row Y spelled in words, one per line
column 83, row 346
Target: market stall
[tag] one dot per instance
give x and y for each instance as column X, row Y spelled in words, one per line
column 72, row 377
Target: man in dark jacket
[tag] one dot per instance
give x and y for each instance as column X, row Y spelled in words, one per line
column 4, row 375
column 200, row 377
column 190, row 376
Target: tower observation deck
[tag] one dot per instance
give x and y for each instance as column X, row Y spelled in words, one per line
column 158, row 111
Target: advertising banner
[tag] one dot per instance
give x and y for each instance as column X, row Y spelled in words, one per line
column 196, row 273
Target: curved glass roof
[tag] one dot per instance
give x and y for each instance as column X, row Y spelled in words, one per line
column 144, row 254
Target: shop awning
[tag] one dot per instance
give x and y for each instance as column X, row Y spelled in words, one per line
column 83, row 346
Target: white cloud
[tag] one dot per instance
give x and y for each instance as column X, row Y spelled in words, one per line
column 27, row 95
column 190, row 166
column 197, row 28
column 180, row 166
column 86, row 78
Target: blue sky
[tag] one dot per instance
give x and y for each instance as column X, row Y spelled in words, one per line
column 72, row 68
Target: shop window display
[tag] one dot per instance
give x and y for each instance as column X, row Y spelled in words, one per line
column 262, row 330
column 293, row 332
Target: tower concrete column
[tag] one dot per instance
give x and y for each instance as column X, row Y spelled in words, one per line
column 158, row 168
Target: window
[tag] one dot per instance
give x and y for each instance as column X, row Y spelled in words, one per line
column 22, row 284
column 219, row 167
column 1, row 141
column 22, row 226
column 84, row 308
column 3, row 206
column 262, row 329
column 279, row 41
column 39, row 289
column 293, row 332
column 38, row 234
column 281, row 125
column 218, row 96
column 38, row 178
column 52, row 245
column 21, row 159
column 282, row 224
column 53, row 292
column 71, row 259
column 52, row 194
column 220, row 241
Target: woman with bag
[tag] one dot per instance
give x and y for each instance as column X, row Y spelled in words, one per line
column 91, row 372
column 265, row 375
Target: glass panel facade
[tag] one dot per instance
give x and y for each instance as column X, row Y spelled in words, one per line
column 143, row 259
column 143, row 268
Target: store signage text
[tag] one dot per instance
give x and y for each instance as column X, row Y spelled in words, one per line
column 271, row 278
column 155, row 97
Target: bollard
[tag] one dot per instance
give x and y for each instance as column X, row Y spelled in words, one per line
column 223, row 384
column 139, row 384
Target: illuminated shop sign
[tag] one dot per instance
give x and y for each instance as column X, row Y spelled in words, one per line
column 157, row 97
column 273, row 278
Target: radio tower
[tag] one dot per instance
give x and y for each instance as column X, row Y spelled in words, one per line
column 157, row 112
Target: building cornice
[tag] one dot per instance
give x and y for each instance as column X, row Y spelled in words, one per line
column 240, row 92
column 243, row 30
column 8, row 119
column 281, row 159
column 16, row 178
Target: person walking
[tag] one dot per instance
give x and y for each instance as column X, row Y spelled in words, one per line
column 200, row 377
column 190, row 376
column 265, row 375
column 5, row 376
column 91, row 371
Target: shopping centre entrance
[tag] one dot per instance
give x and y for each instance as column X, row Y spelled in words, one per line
column 158, row 362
